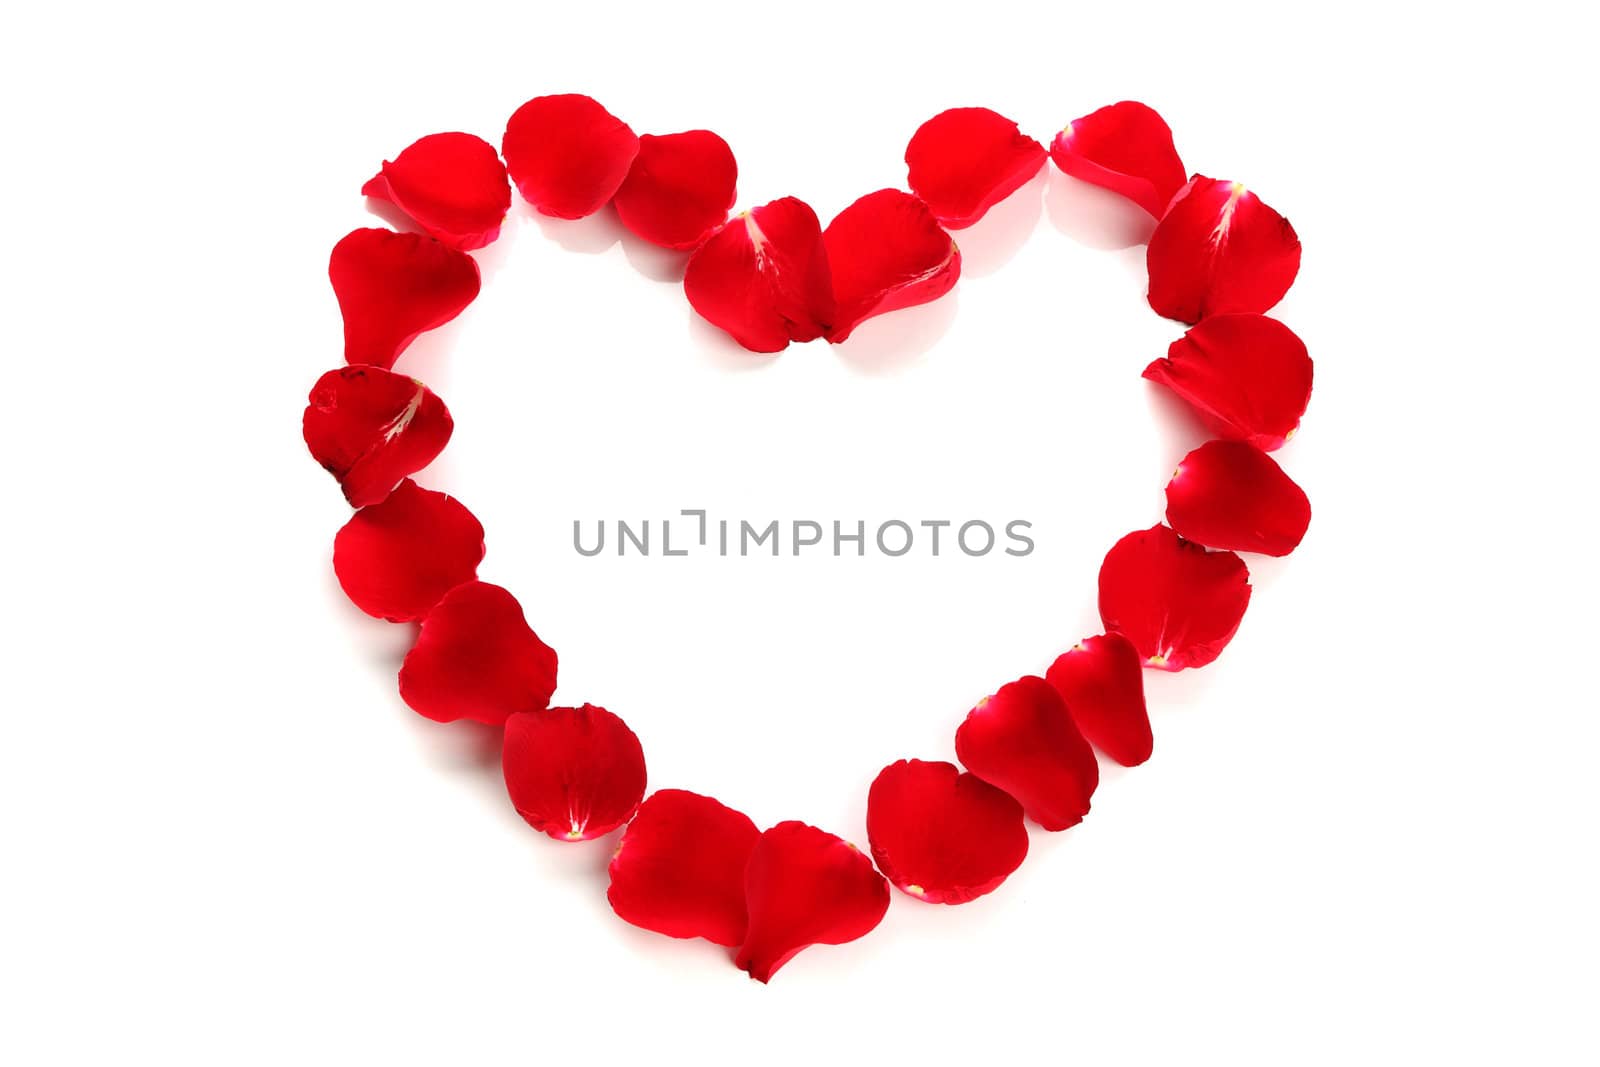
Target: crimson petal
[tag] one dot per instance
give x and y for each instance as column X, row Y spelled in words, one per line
column 1229, row 494
column 964, row 161
column 886, row 252
column 573, row 773
column 680, row 188
column 476, row 658
column 396, row 559
column 452, row 184
column 1178, row 604
column 1127, row 148
column 1219, row 249
column 680, row 868
column 567, row 154
column 941, row 835
column 1101, row 679
column 763, row 277
column 393, row 286
column 370, row 427
column 1023, row 740
column 804, row 887
column 1247, row 376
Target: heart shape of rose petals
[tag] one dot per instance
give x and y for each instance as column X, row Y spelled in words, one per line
column 1171, row 597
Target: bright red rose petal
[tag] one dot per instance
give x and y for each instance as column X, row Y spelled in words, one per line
column 1219, row 249
column 1176, row 602
column 1126, row 148
column 804, row 887
column 763, row 277
column 1229, row 494
column 452, row 184
column 567, row 154
column 1247, row 376
column 941, row 835
column 964, row 161
column 1022, row 740
column 886, row 252
column 1101, row 679
column 476, row 658
column 679, row 189
column 680, row 868
column 393, row 286
column 573, row 773
column 370, row 427
column 396, row 559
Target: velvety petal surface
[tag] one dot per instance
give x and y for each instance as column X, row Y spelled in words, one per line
column 477, row 658
column 393, row 286
column 1101, row 680
column 804, row 887
column 763, row 277
column 1127, row 148
column 964, row 161
column 1248, row 377
column 1178, row 603
column 573, row 773
column 680, row 188
column 1023, row 741
column 567, row 155
column 1220, row 250
column 452, row 184
column 1229, row 494
column 370, row 427
column 886, row 252
column 941, row 835
column 397, row 558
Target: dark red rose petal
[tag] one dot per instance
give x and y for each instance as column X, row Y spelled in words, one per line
column 1101, row 679
column 964, row 161
column 370, row 427
column 396, row 559
column 452, row 184
column 573, row 773
column 1219, row 249
column 1247, row 376
column 1176, row 602
column 679, row 189
column 567, row 154
column 941, row 835
column 1228, row 494
column 1126, row 148
column 476, row 658
column 886, row 252
column 1023, row 741
column 806, row 887
column 680, row 868
column 393, row 286
column 763, row 277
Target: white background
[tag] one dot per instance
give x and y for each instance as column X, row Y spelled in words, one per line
column 1366, row 833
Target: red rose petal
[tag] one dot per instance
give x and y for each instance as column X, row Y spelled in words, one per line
column 886, row 252
column 370, row 427
column 806, row 887
column 393, row 286
column 680, row 868
column 941, row 835
column 1176, row 602
column 567, row 154
column 1228, row 494
column 1101, row 679
column 1126, row 148
column 679, row 189
column 452, row 184
column 1022, row 740
column 396, row 559
column 763, row 277
column 964, row 161
column 1219, row 249
column 573, row 773
column 1247, row 376
column 476, row 658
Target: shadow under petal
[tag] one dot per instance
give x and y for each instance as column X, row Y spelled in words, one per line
column 899, row 339
column 1094, row 216
column 722, row 351
column 654, row 262
column 589, row 236
column 391, row 216
column 993, row 240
